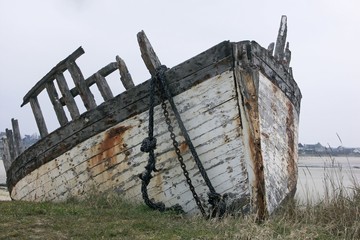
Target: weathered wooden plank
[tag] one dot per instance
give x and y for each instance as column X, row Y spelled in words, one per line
column 247, row 79
column 11, row 144
column 147, row 53
column 17, row 137
column 103, row 87
column 281, row 40
column 192, row 72
column 278, row 141
column 6, row 154
column 39, row 118
column 58, row 107
column 125, row 75
column 67, row 96
column 60, row 67
column 84, row 90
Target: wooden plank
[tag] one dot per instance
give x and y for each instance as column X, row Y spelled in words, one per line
column 134, row 101
column 84, row 91
column 147, row 53
column 67, row 96
column 17, row 137
column 103, row 87
column 39, row 118
column 11, row 144
column 125, row 75
column 60, row 67
column 58, row 107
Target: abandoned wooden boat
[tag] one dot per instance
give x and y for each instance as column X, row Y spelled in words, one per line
column 238, row 105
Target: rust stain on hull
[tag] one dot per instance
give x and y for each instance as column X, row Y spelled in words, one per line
column 104, row 153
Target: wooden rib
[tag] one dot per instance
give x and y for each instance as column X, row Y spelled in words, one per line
column 281, row 40
column 39, row 118
column 147, row 53
column 6, row 154
column 58, row 107
column 84, row 90
column 105, row 71
column 60, row 67
column 103, row 87
column 17, row 136
column 67, row 96
column 10, row 137
column 124, row 74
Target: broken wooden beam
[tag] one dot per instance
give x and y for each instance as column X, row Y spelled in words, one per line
column 10, row 138
column 6, row 154
column 281, row 40
column 125, row 75
column 148, row 54
column 17, row 137
column 103, row 87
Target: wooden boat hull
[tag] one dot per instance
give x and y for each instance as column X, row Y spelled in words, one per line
column 240, row 108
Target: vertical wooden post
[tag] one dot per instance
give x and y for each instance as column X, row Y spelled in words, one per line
column 125, row 75
column 6, row 154
column 17, row 137
column 281, row 40
column 68, row 97
column 84, row 91
column 103, row 87
column 147, row 53
column 58, row 107
column 39, row 118
column 10, row 138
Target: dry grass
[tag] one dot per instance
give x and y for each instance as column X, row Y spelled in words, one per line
column 112, row 218
column 337, row 216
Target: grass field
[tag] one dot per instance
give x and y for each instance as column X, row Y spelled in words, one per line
column 109, row 217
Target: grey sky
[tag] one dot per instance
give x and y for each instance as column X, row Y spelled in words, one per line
column 324, row 36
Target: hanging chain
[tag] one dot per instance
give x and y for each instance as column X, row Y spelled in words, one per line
column 178, row 153
column 149, row 144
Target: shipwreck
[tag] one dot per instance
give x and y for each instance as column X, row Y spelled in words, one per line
column 217, row 133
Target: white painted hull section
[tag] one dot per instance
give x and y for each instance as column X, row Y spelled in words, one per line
column 279, row 128
column 112, row 160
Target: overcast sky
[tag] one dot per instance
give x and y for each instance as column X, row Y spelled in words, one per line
column 324, row 38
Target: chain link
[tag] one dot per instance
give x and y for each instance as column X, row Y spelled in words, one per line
column 149, row 144
column 180, row 158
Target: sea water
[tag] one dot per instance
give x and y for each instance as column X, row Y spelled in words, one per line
column 320, row 177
